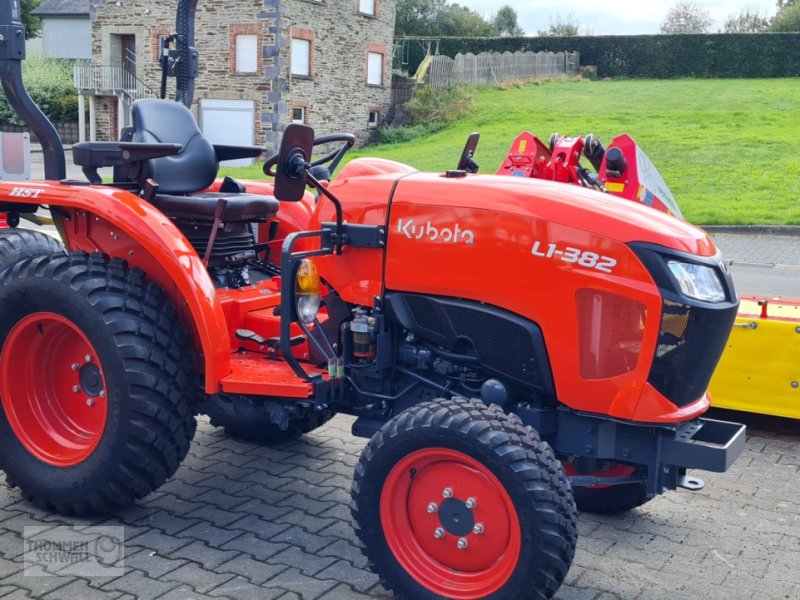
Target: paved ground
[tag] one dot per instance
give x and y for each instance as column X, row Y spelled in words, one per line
column 763, row 262
column 241, row 521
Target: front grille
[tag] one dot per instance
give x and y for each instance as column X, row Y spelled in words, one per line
column 691, row 340
column 610, row 330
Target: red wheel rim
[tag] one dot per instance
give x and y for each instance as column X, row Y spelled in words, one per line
column 53, row 389
column 615, row 470
column 433, row 558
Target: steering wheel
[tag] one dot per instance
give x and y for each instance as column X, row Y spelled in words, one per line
column 348, row 141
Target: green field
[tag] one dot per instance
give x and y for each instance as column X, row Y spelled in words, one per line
column 729, row 149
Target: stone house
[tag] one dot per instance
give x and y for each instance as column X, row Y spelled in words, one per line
column 263, row 64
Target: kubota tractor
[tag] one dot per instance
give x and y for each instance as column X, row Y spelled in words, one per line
column 507, row 345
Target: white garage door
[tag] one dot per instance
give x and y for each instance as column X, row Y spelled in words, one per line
column 229, row 122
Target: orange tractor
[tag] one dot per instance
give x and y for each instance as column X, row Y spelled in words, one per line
column 509, row 346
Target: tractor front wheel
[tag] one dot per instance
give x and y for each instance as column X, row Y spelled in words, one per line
column 453, row 499
column 95, row 381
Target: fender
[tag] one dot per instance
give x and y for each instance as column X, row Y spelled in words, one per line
column 122, row 225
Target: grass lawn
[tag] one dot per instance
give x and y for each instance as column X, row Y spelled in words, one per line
column 729, row 149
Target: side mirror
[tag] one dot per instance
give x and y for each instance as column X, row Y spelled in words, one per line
column 293, row 159
column 466, row 163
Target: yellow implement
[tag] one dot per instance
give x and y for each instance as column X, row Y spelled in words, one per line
column 760, row 369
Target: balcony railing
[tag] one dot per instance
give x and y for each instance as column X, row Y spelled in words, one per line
column 110, row 80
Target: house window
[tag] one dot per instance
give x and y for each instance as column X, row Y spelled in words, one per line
column 299, row 114
column 366, row 7
column 245, row 41
column 374, row 68
column 374, row 118
column 301, row 57
column 246, row 53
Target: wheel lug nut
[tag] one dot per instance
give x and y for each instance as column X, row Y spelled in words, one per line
column 462, row 543
column 471, row 503
column 74, row 366
column 447, row 492
column 478, row 529
column 90, row 402
column 438, row 533
column 76, row 388
column 88, row 358
column 432, row 508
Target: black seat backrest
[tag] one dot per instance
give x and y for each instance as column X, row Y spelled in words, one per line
column 165, row 121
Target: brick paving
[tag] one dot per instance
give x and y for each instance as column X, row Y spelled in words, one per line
column 241, row 521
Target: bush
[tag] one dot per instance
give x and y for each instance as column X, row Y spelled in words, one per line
column 429, row 111
column 655, row 56
column 435, row 109
column 398, row 135
column 49, row 83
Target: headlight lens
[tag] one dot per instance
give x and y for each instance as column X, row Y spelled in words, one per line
column 308, row 288
column 307, row 308
column 697, row 281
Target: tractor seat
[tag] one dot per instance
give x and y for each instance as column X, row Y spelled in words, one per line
column 182, row 177
column 203, row 206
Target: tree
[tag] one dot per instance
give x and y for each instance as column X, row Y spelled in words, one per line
column 787, row 19
column 747, row 20
column 460, row 21
column 785, row 4
column 33, row 25
column 417, row 17
column 562, row 27
column 505, row 23
column 686, row 17
column 431, row 18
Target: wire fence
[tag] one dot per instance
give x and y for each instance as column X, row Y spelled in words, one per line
column 493, row 67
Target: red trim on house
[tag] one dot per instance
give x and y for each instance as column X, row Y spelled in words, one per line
column 382, row 49
column 157, row 33
column 373, row 14
column 256, row 29
column 304, row 104
column 301, row 33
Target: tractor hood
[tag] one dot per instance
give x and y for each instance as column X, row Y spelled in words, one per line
column 554, row 203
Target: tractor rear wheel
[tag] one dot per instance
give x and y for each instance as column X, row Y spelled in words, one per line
column 16, row 244
column 95, row 381
column 453, row 499
column 260, row 420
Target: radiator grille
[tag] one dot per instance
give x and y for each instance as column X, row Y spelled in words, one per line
column 610, row 330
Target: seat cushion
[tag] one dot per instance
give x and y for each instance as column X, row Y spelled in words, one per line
column 201, row 207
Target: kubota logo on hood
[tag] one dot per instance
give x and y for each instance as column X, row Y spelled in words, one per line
column 447, row 235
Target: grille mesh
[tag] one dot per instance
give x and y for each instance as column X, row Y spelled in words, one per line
column 610, row 330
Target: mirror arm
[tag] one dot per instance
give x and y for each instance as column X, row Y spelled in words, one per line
column 339, row 238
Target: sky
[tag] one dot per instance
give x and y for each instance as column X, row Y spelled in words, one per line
column 610, row 17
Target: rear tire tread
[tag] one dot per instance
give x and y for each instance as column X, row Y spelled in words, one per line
column 156, row 360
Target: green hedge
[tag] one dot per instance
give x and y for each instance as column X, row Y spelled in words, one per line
column 655, row 56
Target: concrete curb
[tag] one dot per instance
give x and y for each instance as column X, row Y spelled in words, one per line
column 754, row 229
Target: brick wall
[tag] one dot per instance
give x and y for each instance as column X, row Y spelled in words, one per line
column 336, row 97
